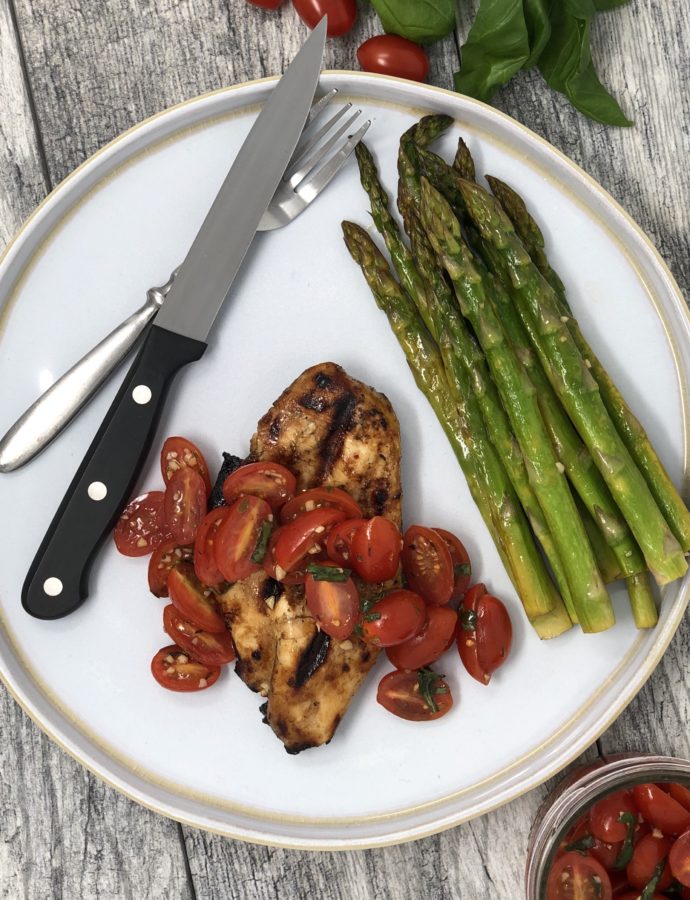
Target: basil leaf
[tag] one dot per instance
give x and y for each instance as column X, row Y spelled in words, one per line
column 566, row 63
column 262, row 543
column 421, row 21
column 497, row 46
column 328, row 573
column 538, row 29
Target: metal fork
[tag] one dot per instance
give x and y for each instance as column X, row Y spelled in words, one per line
column 319, row 156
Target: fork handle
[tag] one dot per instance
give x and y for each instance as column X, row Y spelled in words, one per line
column 56, row 408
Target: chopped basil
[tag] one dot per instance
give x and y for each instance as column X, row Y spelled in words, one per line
column 650, row 887
column 262, row 543
column 366, row 603
column 586, row 842
column 371, row 617
column 327, row 573
column 468, row 620
column 428, row 682
column 461, row 569
column 626, row 851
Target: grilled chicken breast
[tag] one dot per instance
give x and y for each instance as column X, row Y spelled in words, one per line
column 328, row 429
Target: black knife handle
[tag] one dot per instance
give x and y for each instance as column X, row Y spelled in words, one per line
column 57, row 582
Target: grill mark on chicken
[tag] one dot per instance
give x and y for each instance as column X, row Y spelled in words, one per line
column 328, row 429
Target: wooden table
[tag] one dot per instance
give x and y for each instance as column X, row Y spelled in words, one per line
column 75, row 74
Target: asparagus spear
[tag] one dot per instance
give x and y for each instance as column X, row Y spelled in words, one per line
column 423, row 133
column 463, row 162
column 569, row 374
column 631, row 431
column 519, row 398
column 642, row 600
column 463, row 427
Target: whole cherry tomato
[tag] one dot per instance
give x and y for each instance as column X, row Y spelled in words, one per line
column 661, row 810
column 427, row 564
column 141, row 526
column 341, row 14
column 179, row 452
column 648, row 853
column 606, row 816
column 415, row 696
column 484, row 634
column 394, row 619
column 390, row 54
column 679, row 859
column 426, row 646
column 376, row 549
column 173, row 669
column 272, row 482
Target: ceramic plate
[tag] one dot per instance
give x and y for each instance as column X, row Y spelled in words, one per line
column 118, row 225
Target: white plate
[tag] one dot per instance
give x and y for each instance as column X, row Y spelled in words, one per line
column 120, row 224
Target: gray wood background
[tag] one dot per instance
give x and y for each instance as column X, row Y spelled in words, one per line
column 75, row 73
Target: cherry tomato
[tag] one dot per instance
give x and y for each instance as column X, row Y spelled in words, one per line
column 427, row 564
column 272, row 482
column 580, row 838
column 605, row 816
column 163, row 559
column 238, row 536
column 576, row 877
column 484, row 634
column 178, row 453
column 679, row 859
column 341, row 14
column 271, row 568
column 315, row 498
column 390, row 54
column 339, row 543
column 648, row 853
column 376, row 549
column 185, row 504
column 462, row 568
column 193, row 600
column 661, row 810
column 173, row 669
column 205, row 546
column 305, row 535
column 680, row 793
column 266, row 4
column 415, row 696
column 426, row 646
column 394, row 619
column 141, row 527
column 202, row 646
column 334, row 604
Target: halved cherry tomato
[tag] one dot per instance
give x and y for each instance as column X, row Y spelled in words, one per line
column 238, row 536
column 178, row 453
column 427, row 564
column 426, row 646
column 605, row 816
column 173, row 669
column 341, row 14
column 185, row 504
column 680, row 793
column 334, row 604
column 484, row 634
column 193, row 600
column 141, row 526
column 679, row 859
column 163, row 559
column 339, row 543
column 272, row 482
column 576, row 877
column 462, row 568
column 271, row 567
column 390, row 54
column 394, row 619
column 333, row 497
column 203, row 646
column 660, row 809
column 205, row 546
column 648, row 853
column 415, row 696
column 376, row 547
column 305, row 535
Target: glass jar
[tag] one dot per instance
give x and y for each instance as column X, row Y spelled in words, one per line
column 577, row 792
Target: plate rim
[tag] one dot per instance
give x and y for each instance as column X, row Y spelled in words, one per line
column 447, row 819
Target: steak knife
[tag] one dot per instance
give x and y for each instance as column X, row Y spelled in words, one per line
column 57, row 581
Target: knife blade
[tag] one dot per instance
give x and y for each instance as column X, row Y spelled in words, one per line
column 57, row 581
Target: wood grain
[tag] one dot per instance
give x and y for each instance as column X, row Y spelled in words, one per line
column 97, row 68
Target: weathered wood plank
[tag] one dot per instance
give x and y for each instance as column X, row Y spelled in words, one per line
column 97, row 69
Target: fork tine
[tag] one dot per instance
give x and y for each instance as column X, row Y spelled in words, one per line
column 320, row 105
column 312, row 187
column 307, row 142
column 320, row 153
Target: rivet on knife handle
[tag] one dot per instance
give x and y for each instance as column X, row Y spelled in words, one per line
column 57, row 582
column 54, row 409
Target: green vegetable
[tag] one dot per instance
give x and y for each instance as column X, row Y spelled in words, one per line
column 538, row 29
column 429, row 687
column 262, row 543
column 650, row 887
column 626, row 851
column 566, row 63
column 328, row 573
column 497, row 47
column 421, row 21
